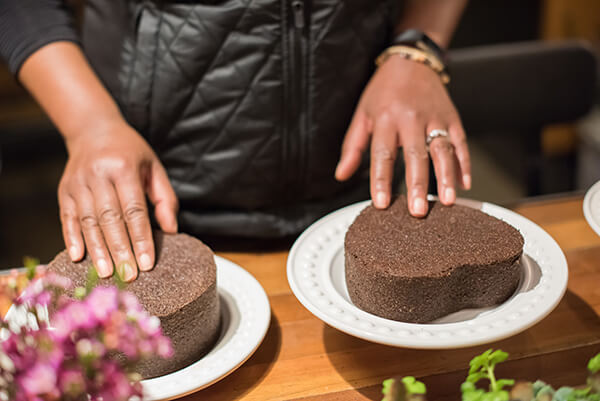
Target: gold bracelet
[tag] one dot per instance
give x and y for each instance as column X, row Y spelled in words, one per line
column 420, row 56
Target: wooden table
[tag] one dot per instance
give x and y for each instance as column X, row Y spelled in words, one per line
column 302, row 358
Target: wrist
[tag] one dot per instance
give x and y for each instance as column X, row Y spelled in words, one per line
column 94, row 129
column 415, row 56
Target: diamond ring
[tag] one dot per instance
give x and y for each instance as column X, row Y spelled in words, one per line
column 436, row 133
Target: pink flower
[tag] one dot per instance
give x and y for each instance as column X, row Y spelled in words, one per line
column 57, row 281
column 130, row 301
column 102, row 301
column 41, row 290
column 146, row 347
column 71, row 382
column 115, row 384
column 39, row 379
column 74, row 315
column 150, row 325
column 73, row 357
column 164, row 348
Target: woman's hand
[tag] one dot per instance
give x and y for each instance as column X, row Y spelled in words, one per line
column 403, row 102
column 102, row 199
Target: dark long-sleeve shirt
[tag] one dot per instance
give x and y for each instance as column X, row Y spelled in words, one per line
column 28, row 25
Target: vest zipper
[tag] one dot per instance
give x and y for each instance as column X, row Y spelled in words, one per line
column 298, row 10
column 297, row 99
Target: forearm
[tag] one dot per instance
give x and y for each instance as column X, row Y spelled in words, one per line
column 437, row 18
column 64, row 84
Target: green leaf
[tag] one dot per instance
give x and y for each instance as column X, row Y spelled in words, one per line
column 476, row 363
column 581, row 392
column 546, row 393
column 501, row 383
column 413, row 386
column 475, row 377
column 80, row 293
column 479, row 361
column 593, row 381
column 118, row 280
column 497, row 357
column 387, row 386
column 92, row 280
column 31, row 265
column 539, row 385
column 473, row 395
column 496, row 396
column 544, row 397
column 594, row 364
column 562, row 394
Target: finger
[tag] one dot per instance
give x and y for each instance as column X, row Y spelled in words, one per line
column 354, row 145
column 384, row 147
column 416, row 163
column 71, row 229
column 161, row 194
column 94, row 240
column 459, row 140
column 442, row 155
column 135, row 213
column 110, row 220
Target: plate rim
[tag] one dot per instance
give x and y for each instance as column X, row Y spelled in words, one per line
column 486, row 207
column 594, row 190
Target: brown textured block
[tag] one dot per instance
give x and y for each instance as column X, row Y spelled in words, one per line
column 417, row 270
column 181, row 291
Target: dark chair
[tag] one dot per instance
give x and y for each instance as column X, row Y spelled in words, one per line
column 520, row 88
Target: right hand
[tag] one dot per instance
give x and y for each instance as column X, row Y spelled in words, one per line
column 102, row 200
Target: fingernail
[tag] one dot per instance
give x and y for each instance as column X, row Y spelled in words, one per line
column 467, row 181
column 127, row 272
column 419, row 206
column 104, row 270
column 381, row 200
column 130, row 272
column 73, row 253
column 449, row 195
column 145, row 262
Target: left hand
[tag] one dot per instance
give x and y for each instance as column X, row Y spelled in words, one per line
column 403, row 102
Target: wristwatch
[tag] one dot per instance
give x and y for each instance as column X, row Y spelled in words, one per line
column 415, row 45
column 419, row 40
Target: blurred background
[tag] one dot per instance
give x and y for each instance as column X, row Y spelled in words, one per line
column 509, row 164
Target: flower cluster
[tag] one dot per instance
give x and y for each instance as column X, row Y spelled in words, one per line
column 88, row 351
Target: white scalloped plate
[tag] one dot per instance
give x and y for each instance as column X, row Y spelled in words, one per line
column 245, row 317
column 315, row 271
column 591, row 207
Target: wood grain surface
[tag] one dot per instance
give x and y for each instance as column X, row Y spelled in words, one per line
column 302, row 358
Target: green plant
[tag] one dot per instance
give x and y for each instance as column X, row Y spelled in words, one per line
column 405, row 389
column 482, row 367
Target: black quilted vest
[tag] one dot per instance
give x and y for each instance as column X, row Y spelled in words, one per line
column 246, row 102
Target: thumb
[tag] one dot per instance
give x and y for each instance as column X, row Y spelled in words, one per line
column 161, row 194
